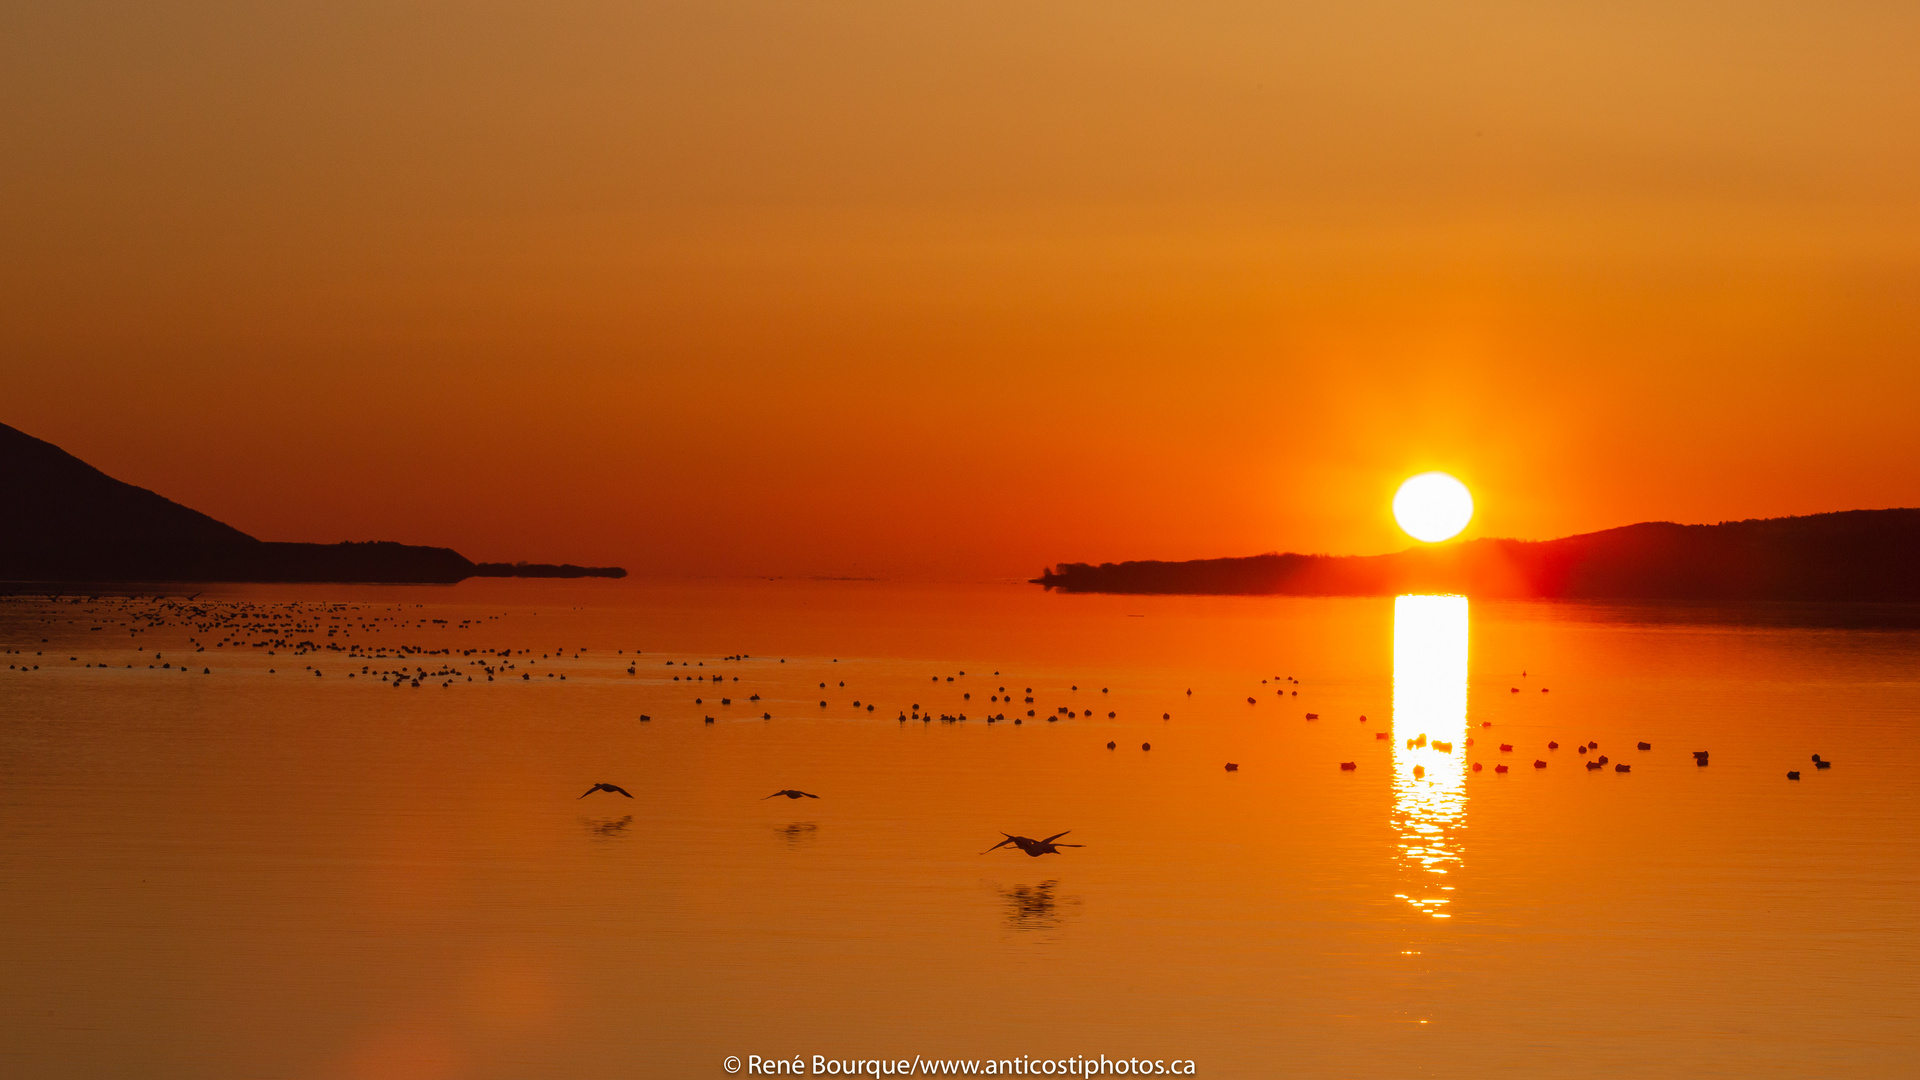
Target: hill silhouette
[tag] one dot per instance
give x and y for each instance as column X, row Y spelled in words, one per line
column 1854, row 555
column 61, row 519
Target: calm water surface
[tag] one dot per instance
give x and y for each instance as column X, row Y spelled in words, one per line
column 260, row 871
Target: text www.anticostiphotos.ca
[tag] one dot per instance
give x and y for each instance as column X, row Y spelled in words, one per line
column 821, row 1065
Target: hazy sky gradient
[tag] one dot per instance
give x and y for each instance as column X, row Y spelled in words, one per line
column 956, row 290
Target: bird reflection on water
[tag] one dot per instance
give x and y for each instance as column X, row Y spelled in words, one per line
column 1035, row 907
column 797, row 833
column 1429, row 705
column 607, row 828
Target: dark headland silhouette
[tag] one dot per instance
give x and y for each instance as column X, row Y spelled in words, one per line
column 61, row 519
column 1854, row 555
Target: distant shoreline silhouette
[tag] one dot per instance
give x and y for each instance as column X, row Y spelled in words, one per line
column 1849, row 556
column 66, row 521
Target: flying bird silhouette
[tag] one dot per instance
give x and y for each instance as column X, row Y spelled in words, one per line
column 791, row 794
column 605, row 787
column 1034, row 848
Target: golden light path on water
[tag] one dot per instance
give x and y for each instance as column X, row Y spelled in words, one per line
column 1429, row 733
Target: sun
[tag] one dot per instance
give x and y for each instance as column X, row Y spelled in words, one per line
column 1432, row 507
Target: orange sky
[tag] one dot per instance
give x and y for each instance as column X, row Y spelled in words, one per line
column 954, row 290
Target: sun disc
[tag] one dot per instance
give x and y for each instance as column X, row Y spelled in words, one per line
column 1432, row 507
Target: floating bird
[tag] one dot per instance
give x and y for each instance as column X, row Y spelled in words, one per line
column 1793, row 776
column 1109, row 745
column 1553, row 746
column 1233, row 766
column 1146, row 746
column 1538, row 764
column 615, row 788
column 1623, row 768
column 1592, row 765
column 1313, row 716
column 1506, row 748
column 1034, row 848
column 1348, row 766
column 1419, row 771
column 791, row 794
column 1823, row 764
column 1476, row 766
column 1646, row 746
column 1816, row 759
column 1379, row 734
column 1499, row 768
column 1700, row 757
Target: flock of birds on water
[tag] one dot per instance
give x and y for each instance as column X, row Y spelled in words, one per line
column 311, row 629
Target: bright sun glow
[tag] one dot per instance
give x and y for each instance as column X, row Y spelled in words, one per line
column 1432, row 507
column 1430, row 741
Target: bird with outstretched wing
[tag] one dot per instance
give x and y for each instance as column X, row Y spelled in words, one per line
column 1034, row 848
column 606, row 787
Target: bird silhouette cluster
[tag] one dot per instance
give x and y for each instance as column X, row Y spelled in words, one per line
column 399, row 645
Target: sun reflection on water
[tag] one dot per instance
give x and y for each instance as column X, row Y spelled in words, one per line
column 1429, row 742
